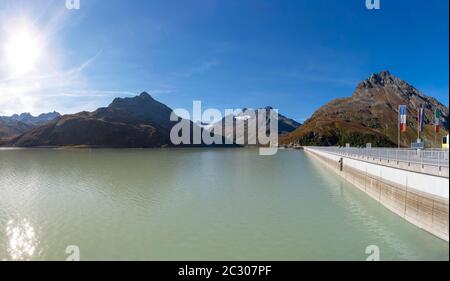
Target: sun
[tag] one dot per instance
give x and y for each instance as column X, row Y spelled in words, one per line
column 22, row 51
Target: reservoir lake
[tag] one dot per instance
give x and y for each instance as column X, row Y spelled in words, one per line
column 193, row 204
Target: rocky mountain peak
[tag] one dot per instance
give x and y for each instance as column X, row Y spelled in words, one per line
column 381, row 79
column 138, row 101
column 383, row 82
column 145, row 95
column 50, row 115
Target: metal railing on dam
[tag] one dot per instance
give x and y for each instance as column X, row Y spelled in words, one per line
column 432, row 157
column 432, row 161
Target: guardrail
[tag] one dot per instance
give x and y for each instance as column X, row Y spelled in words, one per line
column 432, row 157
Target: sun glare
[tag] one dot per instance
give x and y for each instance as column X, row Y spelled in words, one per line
column 22, row 51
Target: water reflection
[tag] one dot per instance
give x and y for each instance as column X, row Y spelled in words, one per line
column 21, row 239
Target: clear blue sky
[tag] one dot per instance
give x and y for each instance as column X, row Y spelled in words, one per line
column 293, row 55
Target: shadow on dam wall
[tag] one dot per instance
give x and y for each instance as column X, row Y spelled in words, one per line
column 425, row 210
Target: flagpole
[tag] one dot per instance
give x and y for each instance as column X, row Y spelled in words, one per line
column 435, row 130
column 437, row 121
column 435, row 138
column 398, row 126
column 418, row 125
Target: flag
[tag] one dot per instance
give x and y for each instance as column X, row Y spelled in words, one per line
column 420, row 120
column 437, row 120
column 402, row 110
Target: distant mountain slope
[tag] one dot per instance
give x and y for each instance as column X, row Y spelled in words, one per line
column 285, row 125
column 370, row 115
column 11, row 126
column 38, row 120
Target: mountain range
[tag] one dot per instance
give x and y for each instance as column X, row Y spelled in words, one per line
column 11, row 126
column 370, row 115
column 140, row 121
column 247, row 116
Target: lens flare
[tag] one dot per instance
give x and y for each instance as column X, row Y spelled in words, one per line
column 22, row 51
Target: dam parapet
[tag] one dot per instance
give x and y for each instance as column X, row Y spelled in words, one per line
column 412, row 184
column 429, row 161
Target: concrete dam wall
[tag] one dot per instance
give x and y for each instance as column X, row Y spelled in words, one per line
column 420, row 198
